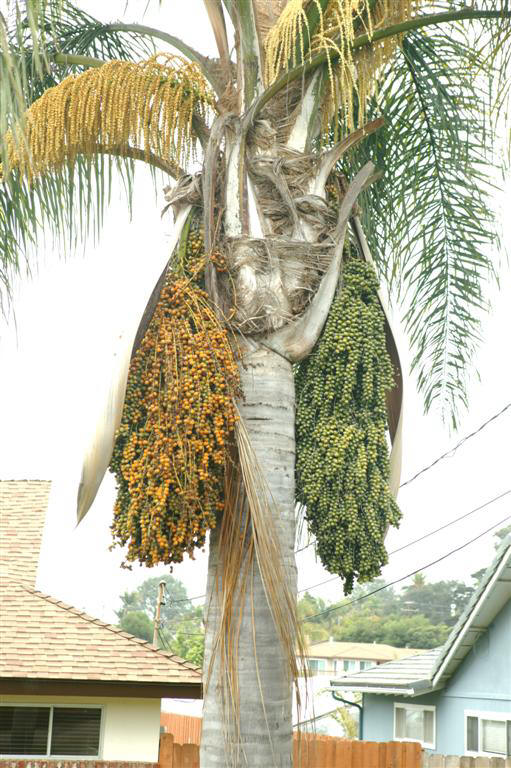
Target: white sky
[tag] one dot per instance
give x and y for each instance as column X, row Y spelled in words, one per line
column 56, row 364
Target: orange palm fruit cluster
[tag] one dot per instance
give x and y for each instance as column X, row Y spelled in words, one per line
column 177, row 425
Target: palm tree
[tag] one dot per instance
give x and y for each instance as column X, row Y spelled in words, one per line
column 320, row 93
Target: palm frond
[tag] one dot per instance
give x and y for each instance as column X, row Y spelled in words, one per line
column 55, row 156
column 429, row 219
column 330, row 26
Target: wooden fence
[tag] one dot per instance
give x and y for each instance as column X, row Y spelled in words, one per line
column 452, row 761
column 313, row 752
column 184, row 728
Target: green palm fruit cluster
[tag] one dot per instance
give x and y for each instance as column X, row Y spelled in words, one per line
column 342, row 463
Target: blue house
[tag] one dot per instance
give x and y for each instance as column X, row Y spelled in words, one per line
column 456, row 699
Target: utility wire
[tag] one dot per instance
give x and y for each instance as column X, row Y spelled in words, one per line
column 450, row 452
column 458, row 445
column 421, row 538
column 407, row 576
column 394, row 551
column 390, row 584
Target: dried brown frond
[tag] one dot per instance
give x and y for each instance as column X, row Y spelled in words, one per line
column 115, row 108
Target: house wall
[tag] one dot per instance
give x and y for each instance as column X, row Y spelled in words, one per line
column 482, row 682
column 130, row 727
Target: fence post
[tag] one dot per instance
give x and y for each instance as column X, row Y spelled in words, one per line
column 166, row 754
column 190, row 756
column 372, row 752
column 452, row 761
column 466, row 762
column 412, row 753
column 178, row 756
column 344, row 753
column 482, row 762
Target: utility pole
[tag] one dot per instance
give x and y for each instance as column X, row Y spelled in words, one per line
column 159, row 603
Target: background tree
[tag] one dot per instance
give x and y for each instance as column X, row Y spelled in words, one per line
column 175, row 606
column 263, row 269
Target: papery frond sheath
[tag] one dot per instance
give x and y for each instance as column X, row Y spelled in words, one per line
column 116, row 107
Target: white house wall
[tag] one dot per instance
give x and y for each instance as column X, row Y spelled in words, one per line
column 130, row 727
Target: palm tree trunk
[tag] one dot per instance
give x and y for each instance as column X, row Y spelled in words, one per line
column 264, row 739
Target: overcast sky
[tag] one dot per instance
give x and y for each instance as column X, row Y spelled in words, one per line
column 56, row 366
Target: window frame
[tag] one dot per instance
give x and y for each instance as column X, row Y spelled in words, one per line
column 481, row 715
column 317, row 660
column 51, row 707
column 415, row 707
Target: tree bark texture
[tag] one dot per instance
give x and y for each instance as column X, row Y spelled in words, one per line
column 265, row 739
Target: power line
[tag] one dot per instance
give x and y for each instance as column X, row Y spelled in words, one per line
column 450, row 452
column 412, row 573
column 390, row 583
column 458, row 445
column 421, row 538
column 405, row 546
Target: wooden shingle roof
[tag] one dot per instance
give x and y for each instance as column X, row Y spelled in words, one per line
column 43, row 639
column 23, row 505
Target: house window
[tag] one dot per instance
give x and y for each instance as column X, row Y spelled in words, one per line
column 488, row 733
column 317, row 665
column 415, row 723
column 50, row 731
column 367, row 664
column 349, row 665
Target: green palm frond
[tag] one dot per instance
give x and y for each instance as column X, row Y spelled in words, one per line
column 429, row 219
column 69, row 202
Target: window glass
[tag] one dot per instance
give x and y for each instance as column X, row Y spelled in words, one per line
column 493, row 736
column 400, row 723
column 317, row 665
column 472, row 734
column 415, row 724
column 429, row 726
column 75, row 731
column 349, row 665
column 24, row 730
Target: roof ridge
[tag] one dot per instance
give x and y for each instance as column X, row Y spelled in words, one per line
column 110, row 627
column 23, row 480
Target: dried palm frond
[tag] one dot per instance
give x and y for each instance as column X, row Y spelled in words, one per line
column 306, row 27
column 116, row 108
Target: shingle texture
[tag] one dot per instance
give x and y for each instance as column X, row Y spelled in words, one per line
column 394, row 674
column 23, row 505
column 43, row 638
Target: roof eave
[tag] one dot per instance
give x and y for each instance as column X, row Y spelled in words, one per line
column 79, row 687
column 414, row 688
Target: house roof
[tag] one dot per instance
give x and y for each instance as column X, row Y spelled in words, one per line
column 331, row 649
column 431, row 670
column 44, row 639
column 491, row 595
column 409, row 676
column 23, row 505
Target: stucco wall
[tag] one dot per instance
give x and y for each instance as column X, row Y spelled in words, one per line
column 130, row 727
column 482, row 682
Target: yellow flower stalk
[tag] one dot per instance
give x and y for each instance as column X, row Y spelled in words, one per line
column 349, row 71
column 119, row 106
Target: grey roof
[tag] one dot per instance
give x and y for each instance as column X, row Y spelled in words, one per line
column 408, row 676
column 491, row 595
column 431, row 670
